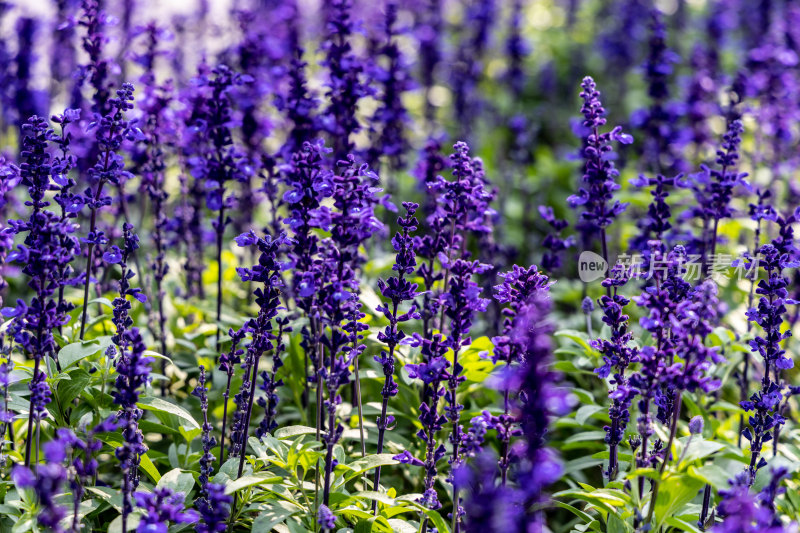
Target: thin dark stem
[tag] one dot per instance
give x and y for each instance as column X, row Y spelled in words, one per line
column 246, row 427
column 701, row 523
column 90, row 249
column 377, row 480
column 667, row 451
column 220, row 234
column 357, row 392
column 224, row 418
column 36, row 363
column 604, row 246
column 456, row 436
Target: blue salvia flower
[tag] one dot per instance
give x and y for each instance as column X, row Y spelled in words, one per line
column 744, row 512
column 542, row 400
column 114, row 255
column 158, row 126
column 351, row 222
column 433, row 373
column 298, row 103
column 656, row 223
column 553, row 242
column 270, row 383
column 227, row 363
column 110, row 130
column 714, row 189
column 266, row 272
column 326, row 519
column 468, row 66
column 45, row 254
column 396, row 290
column 345, row 86
column 214, row 510
column 98, row 69
column 514, row 508
column 596, row 196
column 133, row 374
column 461, row 301
column 207, row 459
column 46, row 484
column 390, row 120
column 161, row 507
column 428, row 33
column 518, row 286
column 308, row 182
column 27, row 100
column 617, row 354
column 517, row 48
column 659, row 120
column 766, row 404
column 214, row 160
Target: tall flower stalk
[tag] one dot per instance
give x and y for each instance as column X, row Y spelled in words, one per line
column 597, row 193
column 267, row 272
column 110, row 132
column 45, row 254
column 397, row 290
column 133, row 374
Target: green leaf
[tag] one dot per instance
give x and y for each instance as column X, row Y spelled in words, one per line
column 375, row 496
column 116, row 524
column 605, row 499
column 587, row 519
column 70, row 389
column 259, row 478
column 150, row 468
column 583, row 414
column 152, row 403
column 616, row 525
column 72, row 353
column 177, row 480
column 369, row 462
column 711, row 474
column 292, row 431
column 699, row 448
column 683, row 525
column 276, row 513
column 365, row 526
column 674, row 492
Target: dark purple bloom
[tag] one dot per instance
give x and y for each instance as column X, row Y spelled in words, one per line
column 95, row 21
column 553, row 242
column 660, row 119
column 390, row 120
column 325, row 518
column 433, row 372
column 597, row 193
column 468, row 68
column 110, row 130
column 161, row 507
column 207, row 459
column 714, row 188
column 133, row 374
column 214, row 510
column 766, row 405
column 345, row 85
column 264, row 338
column 744, row 512
column 396, row 290
column 47, row 483
column 618, row 354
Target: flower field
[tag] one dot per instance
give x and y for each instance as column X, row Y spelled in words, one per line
column 430, row 266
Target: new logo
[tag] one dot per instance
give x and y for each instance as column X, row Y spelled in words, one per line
column 591, row 266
